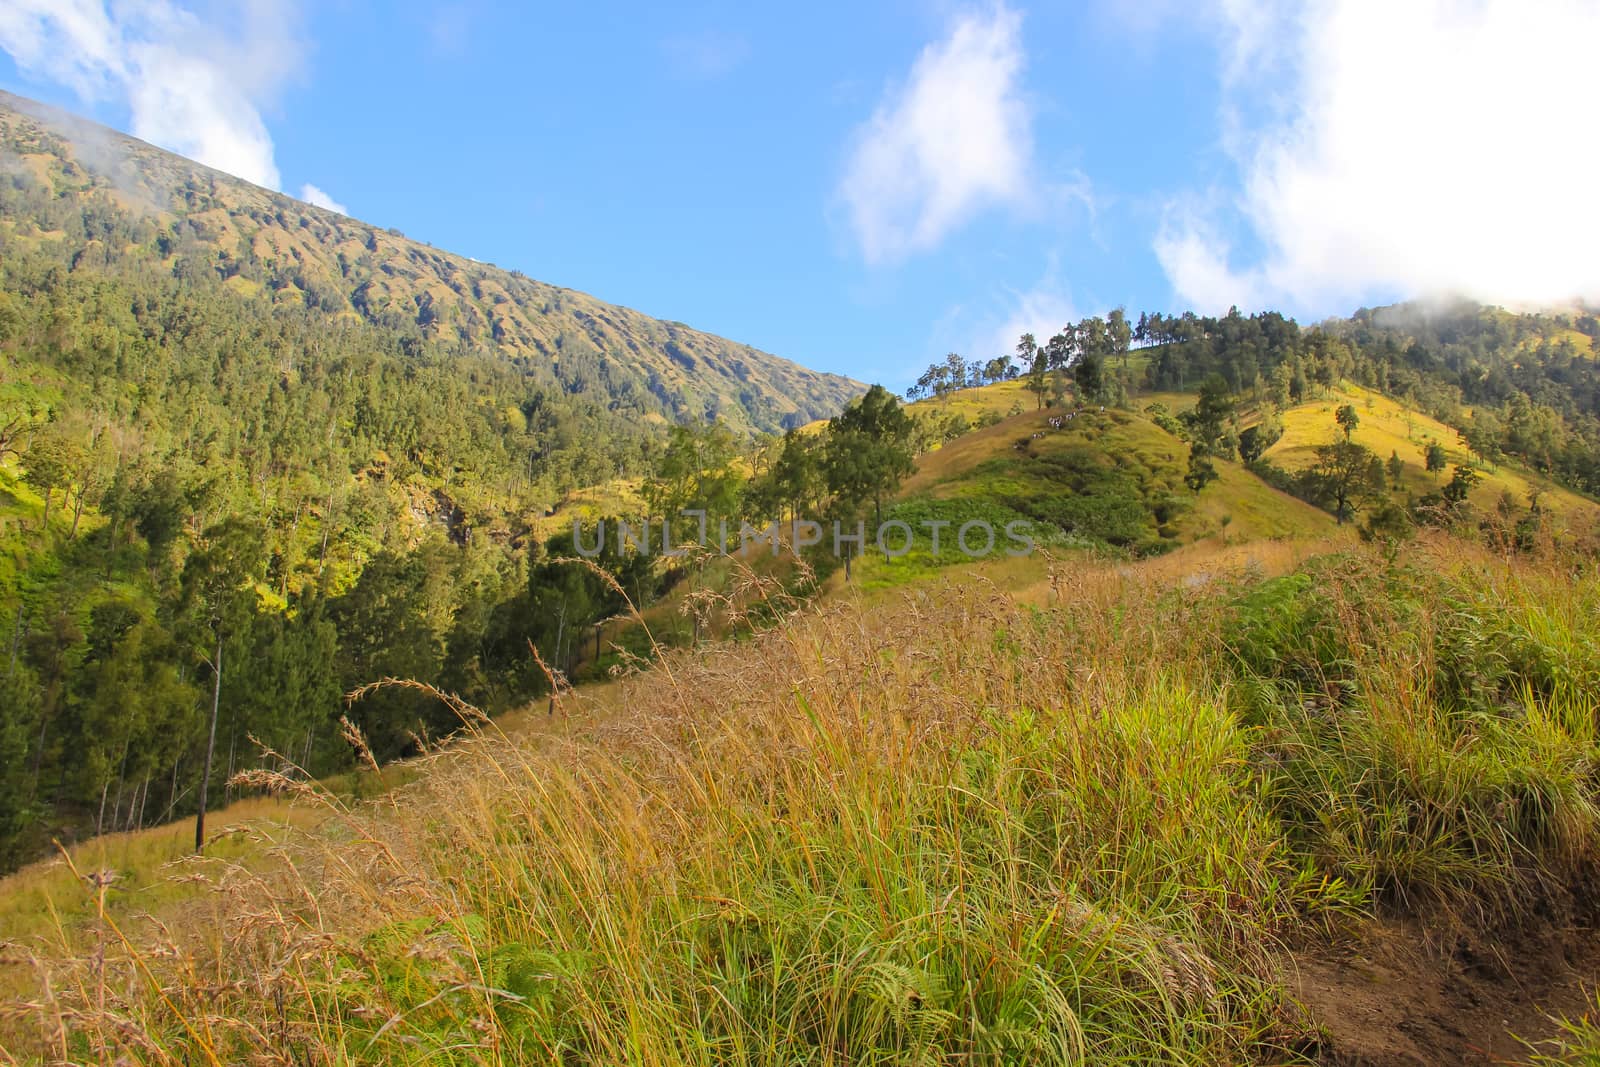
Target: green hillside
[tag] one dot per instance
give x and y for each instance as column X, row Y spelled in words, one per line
column 1145, row 821
column 1102, row 481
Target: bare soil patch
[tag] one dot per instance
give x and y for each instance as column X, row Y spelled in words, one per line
column 1399, row 993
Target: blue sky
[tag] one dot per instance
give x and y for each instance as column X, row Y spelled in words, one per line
column 863, row 188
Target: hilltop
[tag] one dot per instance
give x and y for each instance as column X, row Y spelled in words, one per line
column 1390, row 428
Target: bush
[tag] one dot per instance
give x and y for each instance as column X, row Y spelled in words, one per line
column 1424, row 735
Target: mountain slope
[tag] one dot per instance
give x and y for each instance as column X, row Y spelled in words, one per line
column 201, row 224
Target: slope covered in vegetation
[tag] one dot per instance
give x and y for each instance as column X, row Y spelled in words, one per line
column 948, row 827
column 1109, row 817
column 1388, row 429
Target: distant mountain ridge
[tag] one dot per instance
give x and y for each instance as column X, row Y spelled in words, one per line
column 258, row 242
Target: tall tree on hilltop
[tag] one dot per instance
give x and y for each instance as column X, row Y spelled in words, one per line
column 1120, row 334
column 1207, row 426
column 1033, row 358
column 955, row 375
column 1089, row 376
column 999, row 369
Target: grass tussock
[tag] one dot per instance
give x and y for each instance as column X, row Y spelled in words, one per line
column 944, row 828
column 1576, row 1043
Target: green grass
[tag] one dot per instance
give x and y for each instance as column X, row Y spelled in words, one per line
column 1111, row 479
column 941, row 826
column 1576, row 1045
column 1439, row 787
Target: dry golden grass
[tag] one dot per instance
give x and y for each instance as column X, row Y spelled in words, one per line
column 626, row 803
column 1387, row 427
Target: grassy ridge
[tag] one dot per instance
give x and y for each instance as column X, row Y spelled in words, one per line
column 1103, row 479
column 948, row 827
column 1388, row 427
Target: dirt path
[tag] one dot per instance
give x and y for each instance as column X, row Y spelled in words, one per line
column 1398, row 995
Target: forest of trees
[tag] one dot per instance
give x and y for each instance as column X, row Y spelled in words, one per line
column 222, row 510
column 245, row 513
column 309, row 504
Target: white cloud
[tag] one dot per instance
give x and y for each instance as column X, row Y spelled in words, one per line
column 1435, row 147
column 194, row 86
column 954, row 139
column 316, row 197
column 1041, row 311
column 1195, row 256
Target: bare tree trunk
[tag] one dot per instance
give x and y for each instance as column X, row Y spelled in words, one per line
column 211, row 744
column 122, row 775
column 77, row 513
column 138, row 813
column 327, row 522
column 294, row 528
column 561, row 631
column 16, row 639
column 172, row 793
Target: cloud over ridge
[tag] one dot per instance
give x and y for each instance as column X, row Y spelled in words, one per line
column 1437, row 147
column 317, row 198
column 193, row 86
